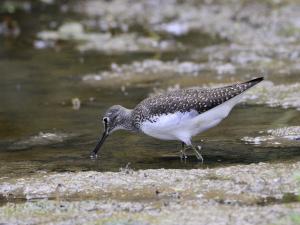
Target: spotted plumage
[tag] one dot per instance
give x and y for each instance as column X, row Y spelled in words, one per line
column 177, row 115
column 184, row 100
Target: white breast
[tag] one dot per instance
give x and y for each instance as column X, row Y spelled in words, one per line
column 182, row 126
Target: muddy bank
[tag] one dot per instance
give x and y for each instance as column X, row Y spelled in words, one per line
column 232, row 194
column 112, row 212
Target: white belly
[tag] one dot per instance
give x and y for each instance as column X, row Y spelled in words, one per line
column 166, row 127
column 183, row 126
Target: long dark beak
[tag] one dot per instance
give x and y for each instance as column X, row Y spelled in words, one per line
column 100, row 142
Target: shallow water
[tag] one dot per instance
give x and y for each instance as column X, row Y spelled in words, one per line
column 42, row 131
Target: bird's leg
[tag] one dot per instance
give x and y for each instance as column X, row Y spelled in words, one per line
column 197, row 153
column 196, row 149
column 182, row 152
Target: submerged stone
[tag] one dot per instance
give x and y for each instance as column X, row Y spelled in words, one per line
column 43, row 138
column 286, row 136
column 106, row 42
column 143, row 69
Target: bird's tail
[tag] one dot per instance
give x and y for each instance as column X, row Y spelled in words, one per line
column 233, row 90
column 236, row 89
column 253, row 82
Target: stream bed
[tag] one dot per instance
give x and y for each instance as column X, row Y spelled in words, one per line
column 63, row 64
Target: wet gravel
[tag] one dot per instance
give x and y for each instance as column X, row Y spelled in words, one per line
column 207, row 196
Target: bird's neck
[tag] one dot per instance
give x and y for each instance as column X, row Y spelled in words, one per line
column 127, row 123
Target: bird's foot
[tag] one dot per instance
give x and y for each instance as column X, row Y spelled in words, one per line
column 196, row 149
column 197, row 153
column 183, row 155
column 93, row 156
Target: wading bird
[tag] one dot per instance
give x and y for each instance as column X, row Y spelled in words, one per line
column 177, row 115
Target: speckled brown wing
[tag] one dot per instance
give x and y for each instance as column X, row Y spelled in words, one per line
column 185, row 100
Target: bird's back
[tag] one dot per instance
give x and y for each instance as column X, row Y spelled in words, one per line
column 185, row 100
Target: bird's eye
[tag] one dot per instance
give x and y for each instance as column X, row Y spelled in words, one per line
column 105, row 120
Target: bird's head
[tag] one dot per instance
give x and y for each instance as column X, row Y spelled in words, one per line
column 114, row 119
